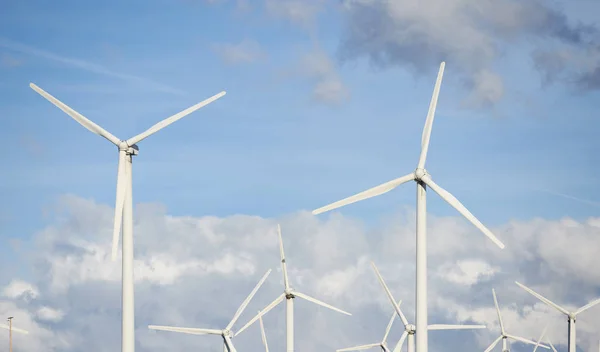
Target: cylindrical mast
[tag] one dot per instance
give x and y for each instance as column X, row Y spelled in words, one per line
column 421, row 285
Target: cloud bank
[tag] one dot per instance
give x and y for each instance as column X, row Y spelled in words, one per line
column 195, row 271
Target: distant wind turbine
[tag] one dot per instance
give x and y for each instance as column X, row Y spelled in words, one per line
column 540, row 339
column 410, row 329
column 226, row 333
column 10, row 329
column 504, row 336
column 423, row 179
column 124, row 202
column 572, row 316
column 383, row 344
column 288, row 294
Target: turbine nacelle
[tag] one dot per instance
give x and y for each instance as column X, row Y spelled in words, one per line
column 128, row 149
column 420, row 173
column 410, row 328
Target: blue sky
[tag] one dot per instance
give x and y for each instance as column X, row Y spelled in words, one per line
column 267, row 148
column 276, row 144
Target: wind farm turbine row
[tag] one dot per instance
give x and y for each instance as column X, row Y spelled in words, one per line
column 415, row 335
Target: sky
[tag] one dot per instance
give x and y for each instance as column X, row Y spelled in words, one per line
column 324, row 99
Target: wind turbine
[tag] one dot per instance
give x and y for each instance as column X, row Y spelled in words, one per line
column 410, row 329
column 226, row 333
column 540, row 339
column 572, row 316
column 505, row 336
column 288, row 294
column 423, row 179
column 124, row 203
column 382, row 344
column 10, row 329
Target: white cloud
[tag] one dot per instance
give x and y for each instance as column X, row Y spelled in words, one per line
column 467, row 272
column 20, row 289
column 246, row 51
column 328, row 86
column 196, row 271
column 50, row 314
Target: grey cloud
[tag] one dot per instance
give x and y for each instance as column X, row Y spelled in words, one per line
column 195, row 271
column 470, row 36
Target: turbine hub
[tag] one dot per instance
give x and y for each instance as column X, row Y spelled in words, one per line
column 410, row 328
column 227, row 333
column 289, row 294
column 130, row 150
column 419, row 173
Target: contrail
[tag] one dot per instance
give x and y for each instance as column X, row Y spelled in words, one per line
column 87, row 66
column 580, row 200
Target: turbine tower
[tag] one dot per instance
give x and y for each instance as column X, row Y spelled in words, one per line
column 10, row 329
column 124, row 202
column 504, row 336
column 571, row 316
column 227, row 334
column 410, row 329
column 423, row 179
column 288, row 294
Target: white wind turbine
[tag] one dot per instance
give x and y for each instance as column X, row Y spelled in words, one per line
column 124, row 203
column 410, row 329
column 288, row 294
column 10, row 329
column 383, row 344
column 225, row 333
column 504, row 336
column 572, row 316
column 540, row 340
column 423, row 179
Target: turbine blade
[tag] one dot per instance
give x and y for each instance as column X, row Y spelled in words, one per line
column 359, row 348
column 123, row 180
column 262, row 333
column 524, row 340
column 229, row 344
column 498, row 311
column 587, row 306
column 540, row 339
column 552, row 346
column 192, row 331
column 456, row 204
column 401, row 341
column 390, row 296
column 375, row 191
column 169, row 120
column 543, row 299
column 247, row 300
column 84, row 121
column 20, row 331
column 430, row 115
column 316, row 301
column 454, row 327
column 493, row 344
column 286, row 282
column 389, row 326
column 261, row 313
